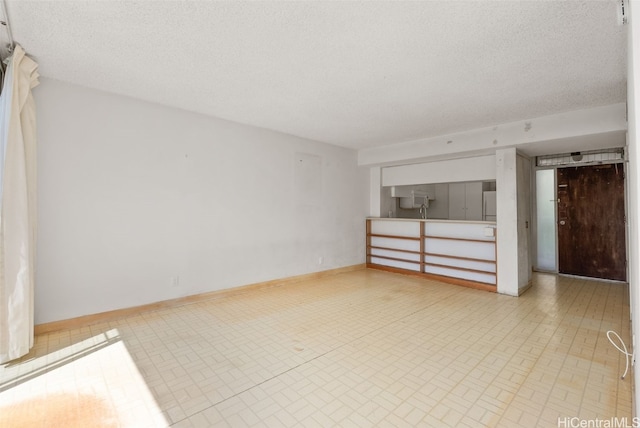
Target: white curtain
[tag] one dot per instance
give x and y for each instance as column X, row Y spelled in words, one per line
column 17, row 206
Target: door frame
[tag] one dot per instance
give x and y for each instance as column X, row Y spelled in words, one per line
column 623, row 162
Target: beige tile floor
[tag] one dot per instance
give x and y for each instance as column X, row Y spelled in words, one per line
column 363, row 348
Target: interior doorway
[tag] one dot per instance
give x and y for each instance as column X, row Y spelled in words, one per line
column 591, row 221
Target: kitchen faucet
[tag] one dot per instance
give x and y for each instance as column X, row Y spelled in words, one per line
column 423, row 211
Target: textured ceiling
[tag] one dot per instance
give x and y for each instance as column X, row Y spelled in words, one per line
column 354, row 74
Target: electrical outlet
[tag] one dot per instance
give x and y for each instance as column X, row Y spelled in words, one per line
column 175, row 281
column 320, row 260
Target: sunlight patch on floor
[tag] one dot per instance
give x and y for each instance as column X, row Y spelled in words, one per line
column 90, row 383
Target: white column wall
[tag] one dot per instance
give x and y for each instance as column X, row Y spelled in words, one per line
column 507, row 225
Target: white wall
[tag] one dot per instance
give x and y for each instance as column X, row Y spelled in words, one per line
column 132, row 194
column 633, row 183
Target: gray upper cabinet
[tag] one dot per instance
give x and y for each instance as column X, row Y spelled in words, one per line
column 465, row 201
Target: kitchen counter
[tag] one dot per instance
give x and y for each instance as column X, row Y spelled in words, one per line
column 455, row 251
column 433, row 220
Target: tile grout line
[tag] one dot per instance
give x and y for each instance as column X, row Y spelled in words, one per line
column 316, row 357
column 564, row 359
column 489, row 353
column 539, row 355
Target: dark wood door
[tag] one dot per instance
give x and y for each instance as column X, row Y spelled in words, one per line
column 591, row 222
